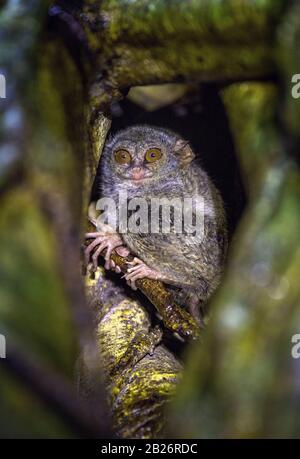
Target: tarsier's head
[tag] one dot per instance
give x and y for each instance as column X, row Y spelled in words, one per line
column 141, row 155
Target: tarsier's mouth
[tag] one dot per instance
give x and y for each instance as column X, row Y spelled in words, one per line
column 138, row 178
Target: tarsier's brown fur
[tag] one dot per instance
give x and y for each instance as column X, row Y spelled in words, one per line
column 190, row 264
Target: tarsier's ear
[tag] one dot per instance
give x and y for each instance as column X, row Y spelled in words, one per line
column 184, row 152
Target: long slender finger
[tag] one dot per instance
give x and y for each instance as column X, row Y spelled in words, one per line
column 93, row 235
column 94, row 244
column 135, row 261
column 128, row 276
column 87, row 252
column 110, row 247
column 135, row 268
column 135, row 275
column 91, row 247
column 138, row 261
column 109, row 264
column 95, row 256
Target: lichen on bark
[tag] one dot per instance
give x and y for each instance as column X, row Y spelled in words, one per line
column 141, row 373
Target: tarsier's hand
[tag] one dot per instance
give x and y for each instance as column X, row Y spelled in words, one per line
column 104, row 241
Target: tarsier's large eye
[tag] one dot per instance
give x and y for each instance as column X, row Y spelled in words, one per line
column 153, row 154
column 122, row 156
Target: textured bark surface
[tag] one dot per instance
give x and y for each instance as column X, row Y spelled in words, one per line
column 141, row 373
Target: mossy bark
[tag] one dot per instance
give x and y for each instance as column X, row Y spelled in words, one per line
column 141, row 373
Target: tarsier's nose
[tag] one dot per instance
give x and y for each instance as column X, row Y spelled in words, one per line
column 137, row 173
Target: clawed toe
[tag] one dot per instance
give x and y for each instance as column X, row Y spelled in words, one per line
column 139, row 270
column 135, row 261
column 90, row 248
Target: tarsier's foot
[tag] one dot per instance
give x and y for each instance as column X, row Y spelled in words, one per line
column 139, row 270
column 108, row 242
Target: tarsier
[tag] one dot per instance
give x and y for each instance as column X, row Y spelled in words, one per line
column 147, row 162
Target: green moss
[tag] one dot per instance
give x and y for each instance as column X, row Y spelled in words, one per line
column 23, row 416
column 33, row 307
column 141, row 374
